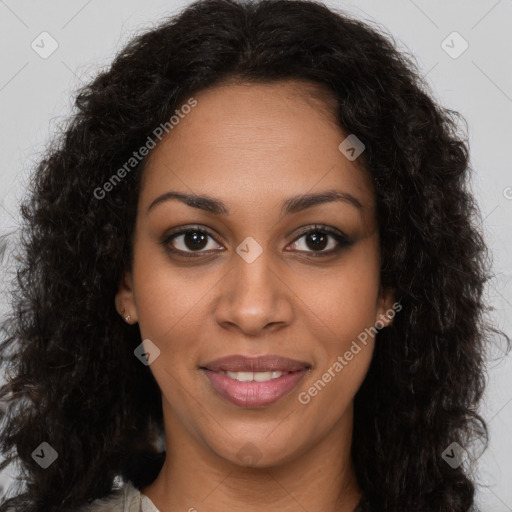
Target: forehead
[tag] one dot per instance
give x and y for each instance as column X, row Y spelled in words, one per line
column 244, row 141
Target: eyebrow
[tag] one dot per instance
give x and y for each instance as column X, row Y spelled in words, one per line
column 290, row 206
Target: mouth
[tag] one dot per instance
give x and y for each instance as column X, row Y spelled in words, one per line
column 254, row 381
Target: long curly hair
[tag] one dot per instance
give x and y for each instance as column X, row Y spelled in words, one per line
column 73, row 380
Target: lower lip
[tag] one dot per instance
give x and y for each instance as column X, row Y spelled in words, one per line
column 253, row 394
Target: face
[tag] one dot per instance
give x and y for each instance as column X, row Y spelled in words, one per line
column 251, row 272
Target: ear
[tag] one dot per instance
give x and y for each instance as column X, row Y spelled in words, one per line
column 386, row 307
column 125, row 300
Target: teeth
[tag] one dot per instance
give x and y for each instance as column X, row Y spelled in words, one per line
column 254, row 376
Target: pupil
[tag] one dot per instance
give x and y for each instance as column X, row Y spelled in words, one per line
column 198, row 240
column 319, row 241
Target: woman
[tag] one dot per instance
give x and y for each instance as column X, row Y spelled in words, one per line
column 254, row 244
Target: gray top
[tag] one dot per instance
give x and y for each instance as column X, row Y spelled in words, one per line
column 126, row 498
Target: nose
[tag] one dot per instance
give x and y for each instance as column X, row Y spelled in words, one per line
column 253, row 297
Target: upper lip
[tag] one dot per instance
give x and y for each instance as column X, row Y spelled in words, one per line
column 266, row 363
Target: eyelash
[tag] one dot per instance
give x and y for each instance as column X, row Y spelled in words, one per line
column 342, row 240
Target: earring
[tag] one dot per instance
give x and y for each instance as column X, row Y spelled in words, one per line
column 127, row 318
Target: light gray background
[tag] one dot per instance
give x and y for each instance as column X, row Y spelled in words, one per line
column 36, row 93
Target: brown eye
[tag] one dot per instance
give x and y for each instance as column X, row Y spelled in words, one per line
column 189, row 241
column 320, row 238
column 316, row 240
column 195, row 240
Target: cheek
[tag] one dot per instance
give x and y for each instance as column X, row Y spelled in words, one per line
column 330, row 394
column 167, row 298
column 348, row 308
column 347, row 358
column 344, row 298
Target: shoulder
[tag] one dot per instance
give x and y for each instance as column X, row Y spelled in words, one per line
column 126, row 498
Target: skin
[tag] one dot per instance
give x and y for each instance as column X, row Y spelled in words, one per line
column 252, row 146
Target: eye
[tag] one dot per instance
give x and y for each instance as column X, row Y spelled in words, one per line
column 317, row 238
column 192, row 240
column 188, row 240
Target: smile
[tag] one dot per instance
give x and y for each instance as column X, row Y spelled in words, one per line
column 253, row 389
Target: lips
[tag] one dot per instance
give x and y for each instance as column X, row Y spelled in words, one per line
column 254, row 381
